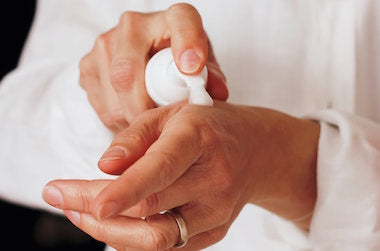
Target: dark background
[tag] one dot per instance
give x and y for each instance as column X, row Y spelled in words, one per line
column 23, row 228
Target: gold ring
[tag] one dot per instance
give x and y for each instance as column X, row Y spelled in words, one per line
column 181, row 226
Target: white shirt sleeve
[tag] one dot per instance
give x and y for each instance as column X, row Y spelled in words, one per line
column 48, row 129
column 347, row 211
column 50, row 116
column 44, row 112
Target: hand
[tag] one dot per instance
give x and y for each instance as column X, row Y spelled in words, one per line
column 205, row 162
column 112, row 73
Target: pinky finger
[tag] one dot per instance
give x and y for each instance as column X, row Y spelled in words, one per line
column 110, row 231
column 158, row 233
column 206, row 239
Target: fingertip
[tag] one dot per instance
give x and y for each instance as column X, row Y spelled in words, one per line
column 114, row 153
column 114, row 160
column 191, row 62
column 114, row 167
column 217, row 87
column 220, row 93
column 52, row 195
column 107, row 210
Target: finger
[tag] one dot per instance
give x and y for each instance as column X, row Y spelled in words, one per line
column 206, row 239
column 216, row 82
column 90, row 81
column 157, row 232
column 93, row 68
column 165, row 161
column 129, row 58
column 204, row 227
column 188, row 38
column 203, row 239
column 187, row 188
column 131, row 143
column 114, row 117
column 77, row 195
column 209, row 237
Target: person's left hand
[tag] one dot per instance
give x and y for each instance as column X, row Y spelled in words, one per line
column 207, row 162
column 113, row 73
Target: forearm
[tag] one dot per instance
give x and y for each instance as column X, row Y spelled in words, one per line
column 286, row 164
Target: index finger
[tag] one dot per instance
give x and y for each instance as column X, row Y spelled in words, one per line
column 165, row 161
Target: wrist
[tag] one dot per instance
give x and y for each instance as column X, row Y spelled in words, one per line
column 283, row 164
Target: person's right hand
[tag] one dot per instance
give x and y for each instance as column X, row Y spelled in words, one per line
column 112, row 73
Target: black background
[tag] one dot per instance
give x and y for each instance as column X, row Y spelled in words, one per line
column 23, row 228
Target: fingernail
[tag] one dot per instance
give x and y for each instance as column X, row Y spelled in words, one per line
column 73, row 216
column 107, row 210
column 52, row 196
column 114, row 153
column 190, row 61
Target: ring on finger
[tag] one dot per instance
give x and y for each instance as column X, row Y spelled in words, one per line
column 181, row 226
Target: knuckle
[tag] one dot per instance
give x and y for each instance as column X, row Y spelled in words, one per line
column 219, row 214
column 194, row 131
column 122, row 74
column 181, row 7
column 218, row 234
column 151, row 203
column 223, row 183
column 86, row 204
column 101, row 41
column 224, row 214
column 222, row 180
column 113, row 122
column 117, row 117
column 156, row 240
column 83, row 82
column 85, row 65
column 148, row 206
column 135, row 136
column 129, row 19
column 86, row 70
column 107, row 120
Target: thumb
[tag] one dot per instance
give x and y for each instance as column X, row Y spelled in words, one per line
column 188, row 38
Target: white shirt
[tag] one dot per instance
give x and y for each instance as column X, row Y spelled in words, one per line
column 319, row 59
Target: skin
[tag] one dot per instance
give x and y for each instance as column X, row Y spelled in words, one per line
column 206, row 162
column 112, row 73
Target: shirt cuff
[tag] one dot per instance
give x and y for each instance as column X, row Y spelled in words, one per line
column 347, row 210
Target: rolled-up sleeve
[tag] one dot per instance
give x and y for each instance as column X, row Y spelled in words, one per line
column 347, row 210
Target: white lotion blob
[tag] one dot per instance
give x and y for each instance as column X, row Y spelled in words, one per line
column 165, row 84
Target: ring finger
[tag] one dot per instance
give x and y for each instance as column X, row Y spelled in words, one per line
column 158, row 232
